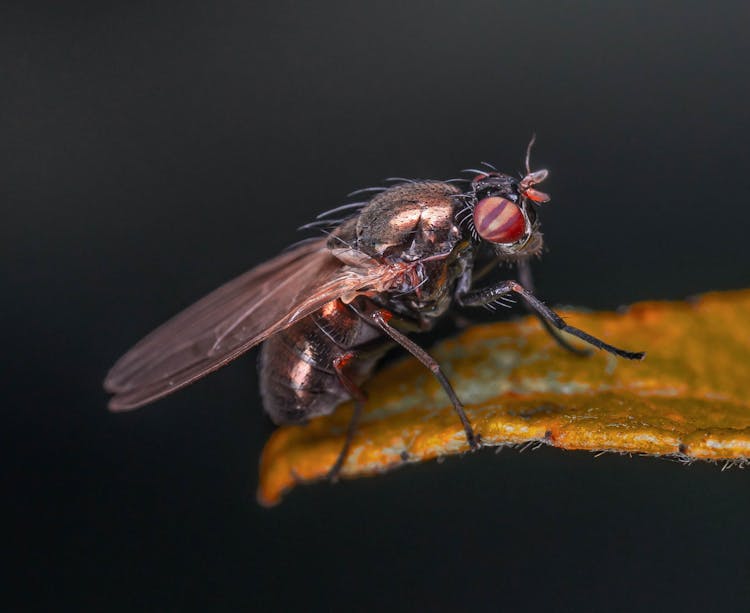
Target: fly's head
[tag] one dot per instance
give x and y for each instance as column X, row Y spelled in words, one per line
column 503, row 211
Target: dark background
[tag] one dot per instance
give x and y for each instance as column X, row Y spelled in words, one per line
column 150, row 153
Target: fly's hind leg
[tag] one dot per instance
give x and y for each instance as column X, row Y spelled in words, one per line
column 359, row 398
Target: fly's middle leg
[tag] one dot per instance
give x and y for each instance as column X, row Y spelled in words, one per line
column 381, row 318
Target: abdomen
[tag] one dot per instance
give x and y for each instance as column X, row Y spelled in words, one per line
column 297, row 375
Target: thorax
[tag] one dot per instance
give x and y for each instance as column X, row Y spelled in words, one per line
column 410, row 228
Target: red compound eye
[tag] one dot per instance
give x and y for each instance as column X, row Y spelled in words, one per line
column 499, row 220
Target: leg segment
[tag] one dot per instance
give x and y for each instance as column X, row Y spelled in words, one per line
column 358, row 396
column 381, row 318
column 492, row 293
column 524, row 274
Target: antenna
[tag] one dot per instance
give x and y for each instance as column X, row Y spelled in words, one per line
column 528, row 152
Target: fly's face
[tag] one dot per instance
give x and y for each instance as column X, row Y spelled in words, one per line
column 503, row 212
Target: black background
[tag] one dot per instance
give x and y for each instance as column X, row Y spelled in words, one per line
column 151, row 152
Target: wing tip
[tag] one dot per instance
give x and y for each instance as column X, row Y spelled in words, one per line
column 115, row 405
column 114, row 381
column 123, row 401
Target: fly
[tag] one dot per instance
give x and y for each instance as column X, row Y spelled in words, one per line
column 329, row 308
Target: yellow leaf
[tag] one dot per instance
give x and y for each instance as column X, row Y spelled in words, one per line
column 690, row 397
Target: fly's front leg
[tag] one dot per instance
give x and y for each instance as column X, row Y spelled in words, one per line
column 524, row 274
column 490, row 294
column 381, row 319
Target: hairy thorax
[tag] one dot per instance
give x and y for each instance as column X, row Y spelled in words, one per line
column 412, row 228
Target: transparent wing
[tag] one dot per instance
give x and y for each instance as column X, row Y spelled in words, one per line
column 232, row 319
